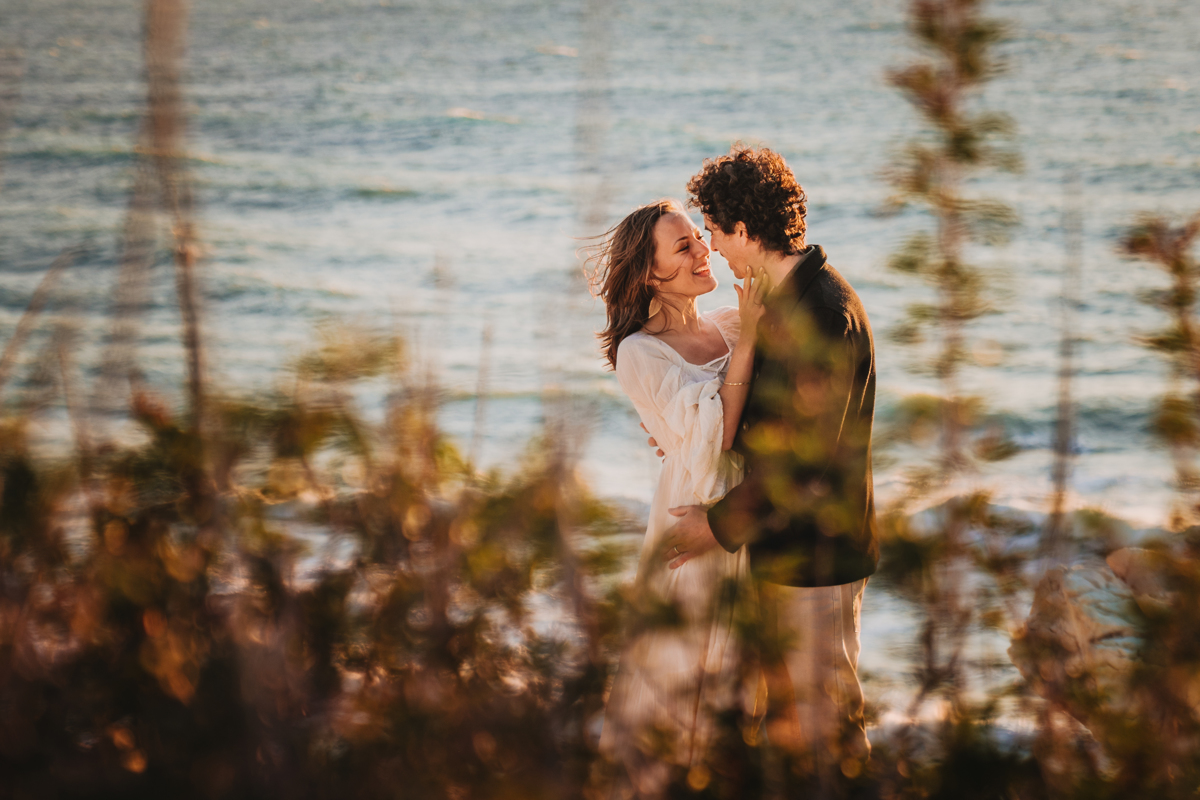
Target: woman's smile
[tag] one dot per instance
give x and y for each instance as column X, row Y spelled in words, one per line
column 681, row 252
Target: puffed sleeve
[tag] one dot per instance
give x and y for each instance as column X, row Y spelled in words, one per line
column 685, row 418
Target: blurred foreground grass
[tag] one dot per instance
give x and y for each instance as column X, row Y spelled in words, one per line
column 279, row 596
column 162, row 626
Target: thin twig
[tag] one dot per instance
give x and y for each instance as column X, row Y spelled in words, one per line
column 131, row 293
column 64, row 339
column 166, row 27
column 1064, row 433
column 481, row 390
column 36, row 304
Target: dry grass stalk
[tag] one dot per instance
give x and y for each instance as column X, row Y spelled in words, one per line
column 37, row 303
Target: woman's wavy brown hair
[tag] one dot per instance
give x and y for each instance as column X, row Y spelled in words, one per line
column 754, row 187
column 623, row 264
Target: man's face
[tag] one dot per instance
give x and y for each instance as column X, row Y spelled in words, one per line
column 730, row 245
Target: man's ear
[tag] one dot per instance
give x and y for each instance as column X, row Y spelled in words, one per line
column 739, row 230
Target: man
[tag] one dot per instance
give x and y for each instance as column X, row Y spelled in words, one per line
column 805, row 509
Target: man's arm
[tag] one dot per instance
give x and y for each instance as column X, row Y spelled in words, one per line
column 732, row 519
column 800, row 402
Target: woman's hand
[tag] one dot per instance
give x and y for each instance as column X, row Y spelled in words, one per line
column 657, row 450
column 750, row 299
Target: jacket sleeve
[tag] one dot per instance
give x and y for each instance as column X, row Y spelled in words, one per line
column 795, row 418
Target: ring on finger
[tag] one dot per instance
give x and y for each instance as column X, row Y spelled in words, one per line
column 677, row 551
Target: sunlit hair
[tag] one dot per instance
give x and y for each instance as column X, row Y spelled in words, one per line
column 621, row 268
column 754, row 187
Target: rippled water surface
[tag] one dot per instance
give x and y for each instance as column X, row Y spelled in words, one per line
column 426, row 165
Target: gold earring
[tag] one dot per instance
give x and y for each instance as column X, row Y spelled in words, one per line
column 655, row 307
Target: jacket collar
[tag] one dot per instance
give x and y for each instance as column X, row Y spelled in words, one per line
column 801, row 277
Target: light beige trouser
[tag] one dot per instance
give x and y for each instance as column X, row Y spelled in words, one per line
column 815, row 701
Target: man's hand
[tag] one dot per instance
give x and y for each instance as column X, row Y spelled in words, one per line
column 657, row 450
column 689, row 537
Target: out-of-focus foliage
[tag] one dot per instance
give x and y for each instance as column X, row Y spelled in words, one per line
column 272, row 595
column 959, row 562
column 1129, row 670
column 1177, row 421
column 439, row 632
column 277, row 596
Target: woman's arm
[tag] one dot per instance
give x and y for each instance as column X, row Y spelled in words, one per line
column 741, row 361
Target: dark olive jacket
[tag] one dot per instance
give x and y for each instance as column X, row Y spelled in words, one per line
column 806, row 508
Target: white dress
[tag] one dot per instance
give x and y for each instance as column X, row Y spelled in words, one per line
column 672, row 675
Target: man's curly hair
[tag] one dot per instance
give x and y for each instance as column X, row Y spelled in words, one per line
column 754, row 187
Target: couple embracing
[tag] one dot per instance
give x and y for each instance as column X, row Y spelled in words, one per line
column 763, row 416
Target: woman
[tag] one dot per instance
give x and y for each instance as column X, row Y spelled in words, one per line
column 687, row 375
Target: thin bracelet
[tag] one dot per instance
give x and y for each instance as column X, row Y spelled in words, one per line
column 727, row 383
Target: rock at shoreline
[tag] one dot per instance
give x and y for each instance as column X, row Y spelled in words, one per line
column 1080, row 641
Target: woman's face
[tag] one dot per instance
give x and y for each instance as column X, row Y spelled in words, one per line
column 680, row 258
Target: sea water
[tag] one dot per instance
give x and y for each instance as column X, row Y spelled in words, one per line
column 430, row 166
